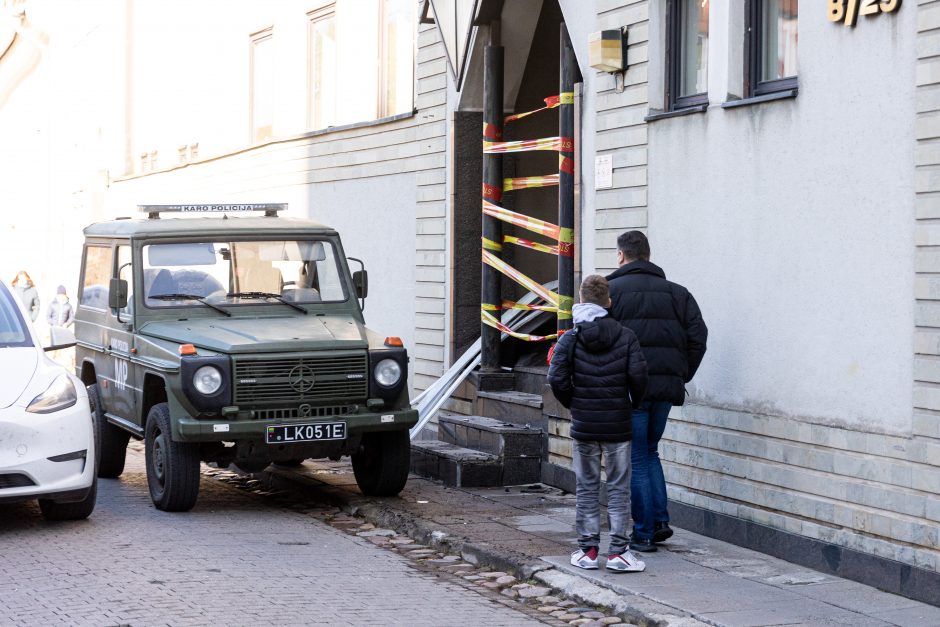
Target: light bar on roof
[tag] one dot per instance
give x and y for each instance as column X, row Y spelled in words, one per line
column 269, row 209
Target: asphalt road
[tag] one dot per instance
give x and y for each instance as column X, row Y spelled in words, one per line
column 236, row 559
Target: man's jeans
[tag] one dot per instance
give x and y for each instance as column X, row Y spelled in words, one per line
column 587, row 468
column 648, row 486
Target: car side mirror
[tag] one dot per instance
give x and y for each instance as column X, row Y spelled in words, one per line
column 60, row 338
column 361, row 283
column 117, row 294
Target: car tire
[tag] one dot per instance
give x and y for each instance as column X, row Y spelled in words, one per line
column 112, row 440
column 172, row 467
column 381, row 466
column 70, row 511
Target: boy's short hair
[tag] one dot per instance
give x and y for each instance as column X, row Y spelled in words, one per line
column 595, row 290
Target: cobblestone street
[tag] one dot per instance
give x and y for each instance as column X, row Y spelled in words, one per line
column 236, row 559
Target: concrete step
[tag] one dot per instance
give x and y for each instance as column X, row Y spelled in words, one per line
column 489, row 435
column 455, row 465
column 530, row 379
column 518, row 408
column 518, row 448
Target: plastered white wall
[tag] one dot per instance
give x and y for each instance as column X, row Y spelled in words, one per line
column 382, row 240
column 792, row 223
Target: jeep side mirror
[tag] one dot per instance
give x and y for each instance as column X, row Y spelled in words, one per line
column 60, row 338
column 117, row 294
column 361, row 283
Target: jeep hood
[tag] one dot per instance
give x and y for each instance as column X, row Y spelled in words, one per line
column 243, row 335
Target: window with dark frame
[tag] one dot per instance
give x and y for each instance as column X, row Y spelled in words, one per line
column 771, row 52
column 686, row 53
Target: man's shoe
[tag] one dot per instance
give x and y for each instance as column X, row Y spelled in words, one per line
column 625, row 562
column 586, row 560
column 661, row 532
column 643, row 546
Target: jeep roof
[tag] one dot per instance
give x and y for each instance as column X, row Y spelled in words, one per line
column 208, row 226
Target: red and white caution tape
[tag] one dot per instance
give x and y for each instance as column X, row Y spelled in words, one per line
column 526, row 182
column 531, row 224
column 532, row 285
column 525, row 145
column 524, row 243
column 490, row 319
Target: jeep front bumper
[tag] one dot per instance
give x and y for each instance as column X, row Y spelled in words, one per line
column 201, row 430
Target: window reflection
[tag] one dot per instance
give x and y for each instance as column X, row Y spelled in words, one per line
column 779, row 39
column 693, row 78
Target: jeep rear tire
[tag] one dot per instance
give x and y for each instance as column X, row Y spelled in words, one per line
column 112, row 440
column 382, row 463
column 172, row 467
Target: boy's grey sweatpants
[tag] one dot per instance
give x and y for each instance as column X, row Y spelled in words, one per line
column 587, row 468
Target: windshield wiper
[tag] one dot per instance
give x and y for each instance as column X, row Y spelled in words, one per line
column 190, row 297
column 277, row 297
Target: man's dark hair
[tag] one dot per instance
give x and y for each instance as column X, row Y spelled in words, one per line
column 594, row 289
column 634, row 246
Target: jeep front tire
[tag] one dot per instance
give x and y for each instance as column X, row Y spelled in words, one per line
column 172, row 467
column 381, row 466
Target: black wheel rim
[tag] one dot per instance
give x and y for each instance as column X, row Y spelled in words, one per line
column 159, row 458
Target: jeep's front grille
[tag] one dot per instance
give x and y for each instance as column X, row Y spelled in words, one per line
column 317, row 379
column 291, row 413
column 15, row 480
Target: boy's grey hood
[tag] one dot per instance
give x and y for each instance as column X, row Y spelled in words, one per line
column 587, row 312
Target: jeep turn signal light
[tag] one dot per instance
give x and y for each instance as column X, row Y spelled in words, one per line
column 187, row 349
column 393, row 341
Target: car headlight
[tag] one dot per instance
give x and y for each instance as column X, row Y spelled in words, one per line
column 207, row 380
column 387, row 373
column 59, row 395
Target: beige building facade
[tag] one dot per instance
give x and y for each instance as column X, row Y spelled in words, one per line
column 789, row 181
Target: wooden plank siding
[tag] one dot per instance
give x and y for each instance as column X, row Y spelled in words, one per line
column 621, row 132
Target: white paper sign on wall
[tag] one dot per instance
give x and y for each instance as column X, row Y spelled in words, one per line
column 603, row 171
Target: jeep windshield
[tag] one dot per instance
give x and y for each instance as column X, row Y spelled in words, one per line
column 240, row 272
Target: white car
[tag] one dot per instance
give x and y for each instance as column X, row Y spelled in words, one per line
column 47, row 436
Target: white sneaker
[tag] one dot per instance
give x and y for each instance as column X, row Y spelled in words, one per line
column 587, row 561
column 626, row 562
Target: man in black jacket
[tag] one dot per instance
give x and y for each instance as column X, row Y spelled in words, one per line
column 668, row 323
column 599, row 372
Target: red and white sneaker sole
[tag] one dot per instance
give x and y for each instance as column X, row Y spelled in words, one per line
column 620, row 564
column 581, row 560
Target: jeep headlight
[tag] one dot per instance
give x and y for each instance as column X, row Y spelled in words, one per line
column 207, row 380
column 59, row 395
column 387, row 373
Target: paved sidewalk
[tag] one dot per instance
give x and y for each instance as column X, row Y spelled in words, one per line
column 691, row 580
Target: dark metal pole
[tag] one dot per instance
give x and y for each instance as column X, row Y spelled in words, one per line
column 491, row 296
column 567, row 75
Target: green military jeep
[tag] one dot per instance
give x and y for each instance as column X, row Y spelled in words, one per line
column 238, row 339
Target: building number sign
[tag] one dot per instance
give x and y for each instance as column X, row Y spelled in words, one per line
column 848, row 10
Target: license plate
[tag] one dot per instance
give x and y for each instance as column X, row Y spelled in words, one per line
column 285, row 434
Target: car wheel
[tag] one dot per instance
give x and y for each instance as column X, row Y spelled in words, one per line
column 70, row 511
column 112, row 441
column 382, row 463
column 172, row 467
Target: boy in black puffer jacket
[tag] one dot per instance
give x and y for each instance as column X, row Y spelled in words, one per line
column 599, row 372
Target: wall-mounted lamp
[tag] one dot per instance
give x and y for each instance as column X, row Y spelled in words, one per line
column 607, row 52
